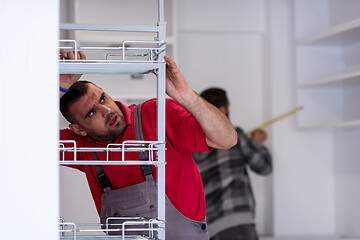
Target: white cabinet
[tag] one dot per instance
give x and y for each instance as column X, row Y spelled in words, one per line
column 328, row 62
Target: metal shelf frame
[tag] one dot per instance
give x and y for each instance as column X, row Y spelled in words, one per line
column 131, row 61
column 73, row 231
column 134, row 57
column 127, row 146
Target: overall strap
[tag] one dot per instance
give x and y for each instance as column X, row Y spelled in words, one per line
column 146, row 169
column 101, row 175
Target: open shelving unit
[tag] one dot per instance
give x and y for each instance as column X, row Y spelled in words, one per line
column 128, row 56
column 328, row 63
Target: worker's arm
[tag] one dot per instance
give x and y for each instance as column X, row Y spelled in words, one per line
column 66, row 80
column 257, row 156
column 218, row 130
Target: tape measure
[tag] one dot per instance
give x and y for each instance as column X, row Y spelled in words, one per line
column 276, row 119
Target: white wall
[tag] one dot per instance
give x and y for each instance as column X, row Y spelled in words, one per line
column 76, row 203
column 347, row 179
column 303, row 171
column 224, row 47
column 29, row 122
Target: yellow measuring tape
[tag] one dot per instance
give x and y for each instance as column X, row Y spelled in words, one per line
column 276, row 119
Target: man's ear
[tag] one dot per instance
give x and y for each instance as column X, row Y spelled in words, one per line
column 76, row 128
column 223, row 109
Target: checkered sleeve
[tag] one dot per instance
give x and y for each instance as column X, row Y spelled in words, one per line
column 257, row 156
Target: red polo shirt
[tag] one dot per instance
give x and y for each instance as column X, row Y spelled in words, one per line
column 183, row 184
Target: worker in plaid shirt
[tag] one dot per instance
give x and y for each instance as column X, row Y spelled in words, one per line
column 230, row 203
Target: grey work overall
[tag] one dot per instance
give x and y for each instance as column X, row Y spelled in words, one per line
column 140, row 200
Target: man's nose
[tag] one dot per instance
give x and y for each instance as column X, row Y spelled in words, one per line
column 105, row 110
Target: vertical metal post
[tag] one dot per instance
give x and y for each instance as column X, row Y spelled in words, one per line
column 161, row 95
column 161, row 137
column 161, row 10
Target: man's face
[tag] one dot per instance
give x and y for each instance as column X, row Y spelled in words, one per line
column 97, row 115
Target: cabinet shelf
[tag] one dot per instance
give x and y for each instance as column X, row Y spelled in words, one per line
column 344, row 124
column 336, row 81
column 327, row 63
column 109, row 67
column 346, row 33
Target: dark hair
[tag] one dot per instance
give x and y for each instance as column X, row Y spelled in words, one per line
column 76, row 91
column 216, row 96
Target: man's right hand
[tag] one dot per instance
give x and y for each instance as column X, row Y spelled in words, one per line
column 66, row 80
column 258, row 135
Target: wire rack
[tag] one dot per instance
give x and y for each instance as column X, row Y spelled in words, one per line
column 150, row 147
column 128, row 58
column 125, row 230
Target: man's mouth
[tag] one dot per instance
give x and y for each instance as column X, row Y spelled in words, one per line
column 113, row 121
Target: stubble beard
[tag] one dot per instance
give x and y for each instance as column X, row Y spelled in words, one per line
column 112, row 134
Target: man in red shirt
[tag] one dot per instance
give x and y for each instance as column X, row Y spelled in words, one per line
column 192, row 125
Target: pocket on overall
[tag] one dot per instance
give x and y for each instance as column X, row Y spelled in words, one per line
column 136, row 201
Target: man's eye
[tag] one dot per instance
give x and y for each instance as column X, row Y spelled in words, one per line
column 91, row 113
column 102, row 99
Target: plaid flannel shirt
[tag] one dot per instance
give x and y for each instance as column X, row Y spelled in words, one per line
column 227, row 184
